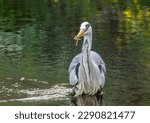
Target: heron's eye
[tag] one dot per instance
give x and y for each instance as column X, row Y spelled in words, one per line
column 87, row 26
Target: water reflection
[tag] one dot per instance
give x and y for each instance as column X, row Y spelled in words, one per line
column 86, row 100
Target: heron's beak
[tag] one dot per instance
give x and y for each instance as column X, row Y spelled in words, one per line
column 79, row 35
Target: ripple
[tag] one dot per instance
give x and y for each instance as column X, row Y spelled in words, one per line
column 57, row 92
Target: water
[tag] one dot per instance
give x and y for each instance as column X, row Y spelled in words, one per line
column 36, row 48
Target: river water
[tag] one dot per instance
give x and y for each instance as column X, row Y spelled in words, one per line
column 36, row 48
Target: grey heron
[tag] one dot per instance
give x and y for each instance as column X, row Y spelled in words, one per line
column 87, row 69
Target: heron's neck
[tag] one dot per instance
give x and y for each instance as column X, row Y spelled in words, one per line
column 89, row 39
column 86, row 48
column 86, row 59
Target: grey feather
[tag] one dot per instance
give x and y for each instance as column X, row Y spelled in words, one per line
column 97, row 59
column 87, row 69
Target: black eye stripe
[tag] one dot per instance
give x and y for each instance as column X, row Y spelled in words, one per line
column 87, row 26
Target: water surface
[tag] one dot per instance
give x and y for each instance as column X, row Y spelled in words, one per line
column 36, row 48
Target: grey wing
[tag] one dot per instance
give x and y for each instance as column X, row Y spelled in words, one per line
column 74, row 68
column 96, row 58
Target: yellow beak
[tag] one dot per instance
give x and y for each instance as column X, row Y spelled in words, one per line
column 79, row 35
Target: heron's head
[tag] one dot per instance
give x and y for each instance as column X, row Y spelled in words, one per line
column 85, row 29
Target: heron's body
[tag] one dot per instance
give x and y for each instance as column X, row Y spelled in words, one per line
column 87, row 69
